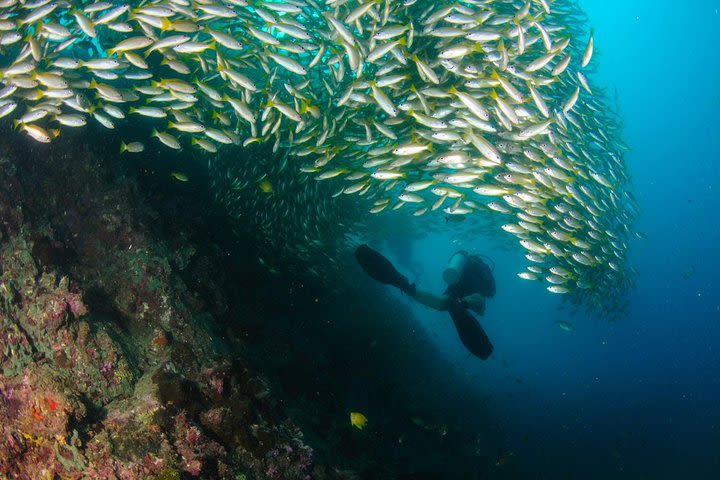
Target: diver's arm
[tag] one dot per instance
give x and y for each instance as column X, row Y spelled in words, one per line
column 437, row 302
column 474, row 302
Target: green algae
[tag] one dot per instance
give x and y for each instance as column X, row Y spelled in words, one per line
column 167, row 474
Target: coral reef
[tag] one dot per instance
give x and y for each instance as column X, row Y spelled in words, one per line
column 108, row 365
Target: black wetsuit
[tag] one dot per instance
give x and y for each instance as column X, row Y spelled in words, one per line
column 476, row 278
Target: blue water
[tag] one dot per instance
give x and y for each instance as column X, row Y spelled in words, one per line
column 638, row 398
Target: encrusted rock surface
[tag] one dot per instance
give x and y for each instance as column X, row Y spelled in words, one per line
column 108, row 368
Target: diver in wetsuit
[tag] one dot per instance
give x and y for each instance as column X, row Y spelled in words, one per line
column 470, row 282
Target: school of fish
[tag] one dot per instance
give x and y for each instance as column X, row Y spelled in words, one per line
column 460, row 106
column 296, row 226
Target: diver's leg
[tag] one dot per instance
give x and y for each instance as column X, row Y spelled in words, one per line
column 380, row 268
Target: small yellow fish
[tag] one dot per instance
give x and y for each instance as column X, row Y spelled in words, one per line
column 266, row 186
column 180, row 176
column 358, row 420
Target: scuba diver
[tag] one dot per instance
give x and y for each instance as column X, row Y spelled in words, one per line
column 470, row 282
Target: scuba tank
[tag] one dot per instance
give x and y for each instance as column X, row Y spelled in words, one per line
column 455, row 267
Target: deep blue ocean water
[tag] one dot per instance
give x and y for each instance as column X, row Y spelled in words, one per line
column 640, row 397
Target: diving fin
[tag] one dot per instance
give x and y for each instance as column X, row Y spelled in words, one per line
column 471, row 333
column 380, row 268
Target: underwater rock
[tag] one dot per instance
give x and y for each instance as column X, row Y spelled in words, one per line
column 105, row 371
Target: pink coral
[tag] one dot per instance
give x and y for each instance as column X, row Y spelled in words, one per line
column 193, row 467
column 106, row 367
column 216, row 380
column 76, row 305
column 212, row 417
column 193, row 435
column 286, row 461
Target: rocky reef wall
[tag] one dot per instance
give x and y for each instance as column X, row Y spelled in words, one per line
column 109, row 367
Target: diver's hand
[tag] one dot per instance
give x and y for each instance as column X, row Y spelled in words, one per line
column 475, row 302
